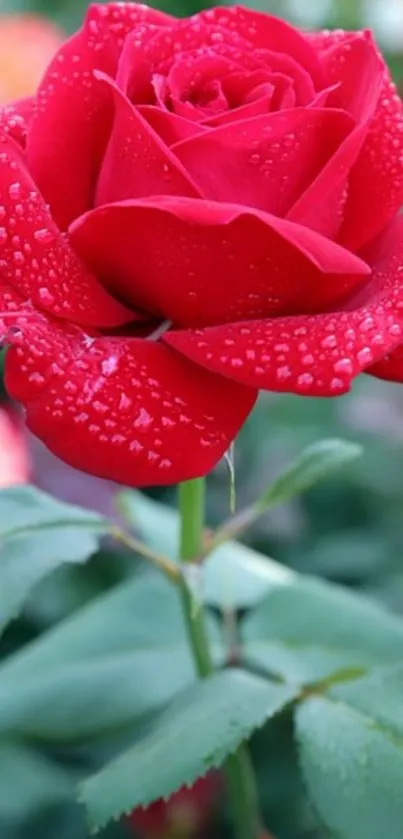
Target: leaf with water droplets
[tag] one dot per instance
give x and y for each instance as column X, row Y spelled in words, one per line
column 37, row 535
column 199, row 729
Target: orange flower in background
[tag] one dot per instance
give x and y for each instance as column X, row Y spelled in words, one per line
column 27, row 44
column 15, row 466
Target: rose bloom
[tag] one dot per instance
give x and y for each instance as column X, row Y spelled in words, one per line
column 193, row 211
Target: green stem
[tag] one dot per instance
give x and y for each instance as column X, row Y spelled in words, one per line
column 238, row 768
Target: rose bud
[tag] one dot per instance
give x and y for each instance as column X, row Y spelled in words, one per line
column 199, row 209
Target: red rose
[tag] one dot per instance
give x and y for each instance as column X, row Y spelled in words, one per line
column 204, row 208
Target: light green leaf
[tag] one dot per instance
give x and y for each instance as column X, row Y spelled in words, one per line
column 233, row 575
column 199, row 729
column 37, row 534
column 122, row 656
column 315, row 463
column 307, row 630
column 353, row 770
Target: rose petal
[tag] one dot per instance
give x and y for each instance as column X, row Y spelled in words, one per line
column 267, row 32
column 38, row 261
column 127, row 409
column 356, row 65
column 170, row 127
column 200, row 262
column 255, row 108
column 389, row 368
column 137, row 162
column 315, row 355
column 143, row 57
column 15, row 118
column 70, row 129
column 376, row 179
column 266, row 161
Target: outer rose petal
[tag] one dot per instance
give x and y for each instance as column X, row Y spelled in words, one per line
column 390, row 367
column 137, row 162
column 126, row 409
column 70, row 130
column 267, row 32
column 356, row 69
column 38, row 261
column 200, row 262
column 322, row 205
column 376, row 179
column 266, row 161
column 315, row 355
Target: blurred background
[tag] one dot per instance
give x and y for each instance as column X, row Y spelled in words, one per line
column 348, row 530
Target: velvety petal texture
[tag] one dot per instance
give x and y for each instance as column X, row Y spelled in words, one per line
column 191, row 211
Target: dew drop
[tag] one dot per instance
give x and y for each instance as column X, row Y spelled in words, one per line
column 18, row 258
column 36, row 378
column 3, row 236
column 44, row 236
column 305, row 379
column 14, row 191
column 143, row 420
column 364, row 356
column 45, row 296
column 344, row 365
column 124, row 402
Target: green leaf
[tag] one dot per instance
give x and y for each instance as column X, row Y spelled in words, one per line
column 233, row 575
column 124, row 655
column 353, row 769
column 37, row 535
column 377, row 695
column 199, row 729
column 313, row 464
column 306, row 630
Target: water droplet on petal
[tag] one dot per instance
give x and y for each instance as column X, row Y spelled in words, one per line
column 44, row 236
column 344, row 365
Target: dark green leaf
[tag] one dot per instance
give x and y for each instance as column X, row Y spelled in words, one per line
column 201, row 727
